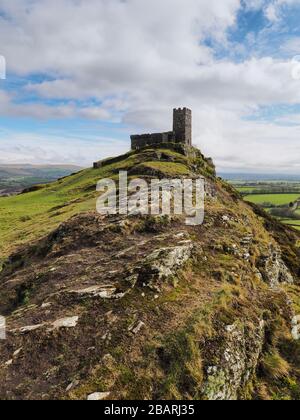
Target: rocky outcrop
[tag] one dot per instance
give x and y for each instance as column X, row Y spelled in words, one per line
column 235, row 353
column 163, row 263
column 98, row 396
column 144, row 307
column 273, row 270
column 296, row 328
column 68, row 322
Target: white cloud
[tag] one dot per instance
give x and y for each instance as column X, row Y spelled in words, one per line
column 274, row 9
column 46, row 149
column 292, row 46
column 249, row 146
column 138, row 59
column 272, row 12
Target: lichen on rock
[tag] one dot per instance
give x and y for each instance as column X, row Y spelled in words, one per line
column 163, row 263
column 273, row 269
column 235, row 352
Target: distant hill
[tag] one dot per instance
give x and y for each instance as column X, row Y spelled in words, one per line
column 258, row 177
column 14, row 178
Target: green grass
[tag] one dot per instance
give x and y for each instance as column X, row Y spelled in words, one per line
column 168, row 168
column 33, row 215
column 245, row 190
column 291, row 222
column 29, row 216
column 275, row 199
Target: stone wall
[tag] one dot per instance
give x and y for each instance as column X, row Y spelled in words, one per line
column 140, row 141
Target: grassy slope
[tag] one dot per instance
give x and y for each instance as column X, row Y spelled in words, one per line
column 165, row 360
column 29, row 216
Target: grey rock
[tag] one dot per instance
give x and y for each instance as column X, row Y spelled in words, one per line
column 98, row 396
column 164, row 263
column 66, row 323
column 17, row 352
column 296, row 328
column 29, row 328
column 236, row 353
column 136, row 327
column 273, row 269
column 104, row 292
column 72, row 386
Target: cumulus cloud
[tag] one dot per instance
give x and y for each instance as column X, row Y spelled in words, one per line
column 132, row 61
column 274, row 8
column 47, row 149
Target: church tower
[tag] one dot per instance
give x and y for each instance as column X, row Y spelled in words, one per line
column 182, row 125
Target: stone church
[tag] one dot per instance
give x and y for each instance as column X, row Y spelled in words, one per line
column 182, row 132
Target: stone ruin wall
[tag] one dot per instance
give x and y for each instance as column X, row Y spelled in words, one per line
column 182, row 132
column 143, row 140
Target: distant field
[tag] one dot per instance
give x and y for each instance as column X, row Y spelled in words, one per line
column 275, row 199
column 292, row 222
column 294, row 226
column 246, row 189
column 273, row 196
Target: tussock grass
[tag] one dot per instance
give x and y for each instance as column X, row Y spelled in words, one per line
column 275, row 367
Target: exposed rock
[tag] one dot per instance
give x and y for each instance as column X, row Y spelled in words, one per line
column 236, row 353
column 29, row 328
column 247, row 240
column 46, row 305
column 106, row 336
column 108, row 360
column 104, row 292
column 273, row 269
column 296, row 328
column 136, row 327
column 17, row 352
column 164, row 263
column 72, row 385
column 181, row 235
column 98, row 396
column 66, row 322
column 70, row 322
column 132, row 280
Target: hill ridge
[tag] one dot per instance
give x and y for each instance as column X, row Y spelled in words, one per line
column 146, row 307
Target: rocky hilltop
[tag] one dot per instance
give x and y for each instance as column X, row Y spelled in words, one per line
column 146, row 307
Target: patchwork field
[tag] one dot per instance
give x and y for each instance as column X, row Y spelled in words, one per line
column 277, row 197
column 294, row 223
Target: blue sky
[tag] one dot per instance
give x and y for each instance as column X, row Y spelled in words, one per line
column 82, row 76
